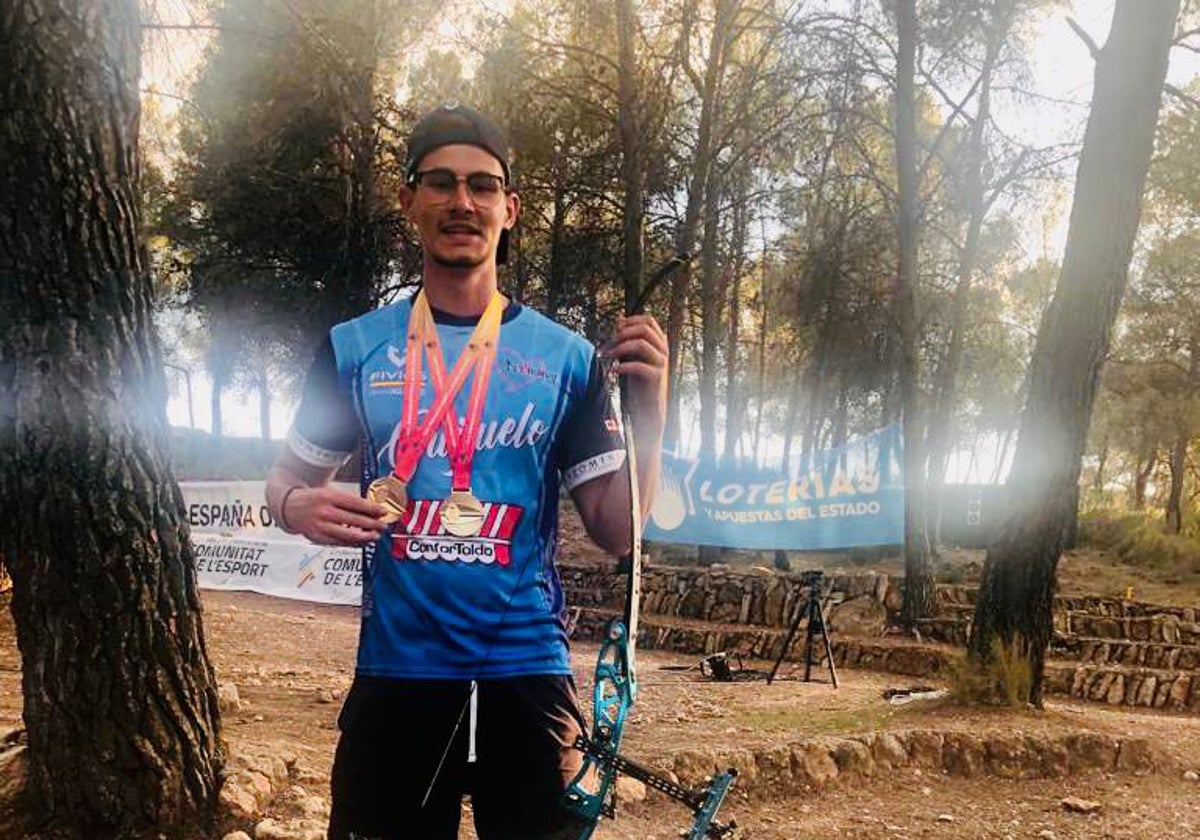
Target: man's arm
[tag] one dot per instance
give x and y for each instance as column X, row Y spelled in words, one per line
column 640, row 350
column 302, row 501
column 323, row 434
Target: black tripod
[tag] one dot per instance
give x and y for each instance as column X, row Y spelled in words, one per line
column 813, row 580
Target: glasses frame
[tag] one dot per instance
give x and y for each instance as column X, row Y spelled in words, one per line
column 486, row 199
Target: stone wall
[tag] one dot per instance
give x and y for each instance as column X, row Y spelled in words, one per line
column 814, row 764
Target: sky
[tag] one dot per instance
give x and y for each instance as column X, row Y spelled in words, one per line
column 1061, row 73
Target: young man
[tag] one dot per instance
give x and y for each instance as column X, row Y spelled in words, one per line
column 469, row 410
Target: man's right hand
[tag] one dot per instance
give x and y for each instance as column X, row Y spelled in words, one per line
column 329, row 516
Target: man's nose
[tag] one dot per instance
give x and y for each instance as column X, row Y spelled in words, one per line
column 462, row 200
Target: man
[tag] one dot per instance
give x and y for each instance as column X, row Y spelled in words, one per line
column 463, row 682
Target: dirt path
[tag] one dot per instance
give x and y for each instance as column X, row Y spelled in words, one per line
column 292, row 661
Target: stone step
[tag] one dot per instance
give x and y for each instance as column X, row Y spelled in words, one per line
column 1159, row 688
column 1098, row 652
column 1163, row 627
column 1151, row 688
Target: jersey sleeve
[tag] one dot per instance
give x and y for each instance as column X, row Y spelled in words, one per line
column 326, row 428
column 590, row 443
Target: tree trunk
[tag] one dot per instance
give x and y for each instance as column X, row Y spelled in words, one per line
column 941, row 420
column 710, row 319
column 264, row 404
column 1142, row 478
column 1017, row 589
column 701, row 165
column 918, row 578
column 556, row 276
column 120, row 700
column 1174, row 506
column 735, row 409
column 218, row 390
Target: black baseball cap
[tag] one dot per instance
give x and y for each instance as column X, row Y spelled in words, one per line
column 455, row 123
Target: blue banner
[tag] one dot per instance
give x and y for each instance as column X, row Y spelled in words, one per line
column 837, row 498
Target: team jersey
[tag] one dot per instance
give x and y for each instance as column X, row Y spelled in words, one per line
column 436, row 606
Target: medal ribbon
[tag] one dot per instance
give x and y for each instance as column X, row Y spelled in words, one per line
column 477, row 355
column 461, row 444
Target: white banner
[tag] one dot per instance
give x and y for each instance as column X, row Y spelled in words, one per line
column 238, row 546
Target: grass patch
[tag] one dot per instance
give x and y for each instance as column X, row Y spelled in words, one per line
column 816, row 722
column 1005, row 679
column 1139, row 540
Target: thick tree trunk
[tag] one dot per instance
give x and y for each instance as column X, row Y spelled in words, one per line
column 119, row 697
column 918, row 577
column 1017, row 589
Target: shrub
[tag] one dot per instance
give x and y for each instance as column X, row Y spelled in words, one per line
column 1005, row 679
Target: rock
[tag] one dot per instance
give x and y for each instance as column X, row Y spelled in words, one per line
column 862, row 616
column 854, row 757
column 1136, row 756
column 227, row 698
column 694, row 766
column 630, row 790
column 1008, row 758
column 1090, row 751
column 813, row 765
column 1047, row 834
column 237, row 800
column 1191, row 776
column 925, row 749
column 1081, row 806
column 236, row 835
column 945, row 818
column 962, row 755
column 324, row 696
column 888, row 751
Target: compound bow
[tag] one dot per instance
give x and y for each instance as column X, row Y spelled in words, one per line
column 591, row 794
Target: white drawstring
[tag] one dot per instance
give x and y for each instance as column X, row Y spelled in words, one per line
column 474, row 721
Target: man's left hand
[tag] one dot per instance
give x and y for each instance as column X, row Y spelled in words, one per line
column 640, row 349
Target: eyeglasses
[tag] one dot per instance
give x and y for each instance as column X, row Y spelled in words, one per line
column 483, row 187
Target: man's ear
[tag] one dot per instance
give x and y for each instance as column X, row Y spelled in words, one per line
column 512, row 210
column 406, row 199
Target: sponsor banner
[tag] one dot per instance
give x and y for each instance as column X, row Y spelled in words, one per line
column 283, row 568
column 239, row 546
column 838, row 498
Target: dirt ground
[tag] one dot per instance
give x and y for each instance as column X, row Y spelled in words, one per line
column 291, row 661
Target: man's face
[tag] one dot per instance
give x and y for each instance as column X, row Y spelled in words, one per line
column 460, row 225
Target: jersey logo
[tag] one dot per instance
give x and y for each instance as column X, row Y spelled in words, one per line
column 424, row 537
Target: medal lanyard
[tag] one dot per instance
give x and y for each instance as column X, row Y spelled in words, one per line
column 483, row 343
column 478, row 355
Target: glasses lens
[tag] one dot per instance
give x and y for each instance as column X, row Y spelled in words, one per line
column 439, row 180
column 484, row 185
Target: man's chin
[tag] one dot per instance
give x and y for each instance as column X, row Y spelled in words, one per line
column 458, row 260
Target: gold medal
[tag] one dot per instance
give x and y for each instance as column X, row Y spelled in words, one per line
column 462, row 514
column 392, row 494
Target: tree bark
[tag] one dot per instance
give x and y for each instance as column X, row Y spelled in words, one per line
column 1174, row 506
column 120, row 700
column 918, row 578
column 1017, row 589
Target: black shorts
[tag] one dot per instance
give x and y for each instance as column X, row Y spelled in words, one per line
column 394, row 734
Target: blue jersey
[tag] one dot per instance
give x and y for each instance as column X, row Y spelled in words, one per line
column 437, row 606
